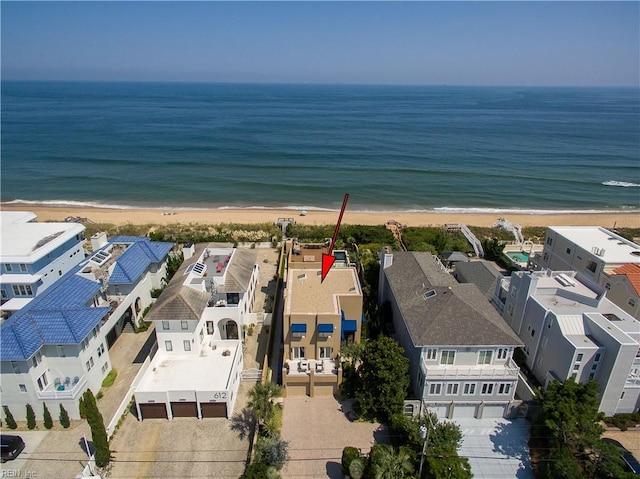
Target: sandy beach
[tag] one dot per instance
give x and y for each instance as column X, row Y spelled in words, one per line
column 244, row 216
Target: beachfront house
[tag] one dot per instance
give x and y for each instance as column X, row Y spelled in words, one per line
column 570, row 329
column 200, row 321
column 318, row 317
column 33, row 256
column 57, row 346
column 459, row 349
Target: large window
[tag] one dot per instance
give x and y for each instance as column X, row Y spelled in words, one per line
column 297, row 352
column 435, row 389
column 452, row 389
column 504, row 388
column 187, row 345
column 325, row 352
column 22, row 290
column 448, row 357
column 487, row 388
column 484, row 357
column 503, row 353
column 42, row 381
column 469, row 388
column 432, row 353
column 168, row 345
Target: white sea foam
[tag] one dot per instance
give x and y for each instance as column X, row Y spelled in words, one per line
column 624, row 184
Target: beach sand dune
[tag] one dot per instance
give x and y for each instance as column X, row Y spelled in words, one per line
column 244, row 216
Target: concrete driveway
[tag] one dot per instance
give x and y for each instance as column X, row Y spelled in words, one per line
column 496, row 448
column 318, row 430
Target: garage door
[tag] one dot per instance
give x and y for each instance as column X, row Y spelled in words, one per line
column 297, row 390
column 213, row 409
column 493, row 411
column 184, row 409
column 441, row 411
column 323, row 390
column 153, row 411
column 464, row 410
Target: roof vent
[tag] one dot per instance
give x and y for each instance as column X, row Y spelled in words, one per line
column 429, row 294
column 302, row 276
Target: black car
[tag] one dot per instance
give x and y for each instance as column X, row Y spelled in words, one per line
column 12, row 446
column 632, row 463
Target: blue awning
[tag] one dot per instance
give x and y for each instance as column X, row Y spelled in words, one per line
column 298, row 328
column 349, row 326
column 325, row 328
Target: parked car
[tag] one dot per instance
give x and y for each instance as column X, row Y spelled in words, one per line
column 12, row 446
column 632, row 463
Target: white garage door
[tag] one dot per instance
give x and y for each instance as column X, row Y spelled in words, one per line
column 441, row 411
column 493, row 411
column 464, row 410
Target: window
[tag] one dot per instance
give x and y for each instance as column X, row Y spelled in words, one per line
column 435, row 389
column 568, row 250
column 325, row 352
column 22, row 290
column 23, row 267
column 632, row 302
column 187, row 345
column 184, row 325
column 165, row 325
column 61, row 352
column 3, row 293
column 487, row 388
column 36, row 359
column 88, row 365
column 8, row 267
column 484, row 357
column 533, row 333
column 209, row 327
column 448, row 357
column 105, row 366
column 432, row 354
column 452, row 389
column 168, row 345
column 23, row 388
column 549, row 240
column 576, row 367
column 579, row 358
column 594, row 367
column 607, row 286
column 16, row 368
column 592, row 266
column 503, row 353
column 469, row 388
column 297, row 352
column 513, row 291
column 510, row 309
column 574, row 376
column 100, row 350
column 42, row 381
column 504, row 388
column 597, row 357
column 591, row 376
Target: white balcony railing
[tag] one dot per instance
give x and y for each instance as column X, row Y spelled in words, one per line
column 305, row 366
column 464, row 371
column 55, row 391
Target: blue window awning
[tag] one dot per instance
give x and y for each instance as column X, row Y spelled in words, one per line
column 325, row 328
column 298, row 328
column 349, row 326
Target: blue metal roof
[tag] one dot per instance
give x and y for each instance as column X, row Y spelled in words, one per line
column 136, row 259
column 64, row 312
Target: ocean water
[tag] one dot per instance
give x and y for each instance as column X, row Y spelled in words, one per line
column 396, row 148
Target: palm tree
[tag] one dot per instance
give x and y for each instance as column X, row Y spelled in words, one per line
column 392, row 465
column 261, row 400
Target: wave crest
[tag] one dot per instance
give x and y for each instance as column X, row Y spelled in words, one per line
column 624, row 184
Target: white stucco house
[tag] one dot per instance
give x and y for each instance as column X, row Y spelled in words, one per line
column 200, row 321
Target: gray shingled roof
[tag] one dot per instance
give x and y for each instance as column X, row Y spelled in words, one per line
column 480, row 273
column 457, row 315
column 239, row 271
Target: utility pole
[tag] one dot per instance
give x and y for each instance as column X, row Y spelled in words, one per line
column 424, row 435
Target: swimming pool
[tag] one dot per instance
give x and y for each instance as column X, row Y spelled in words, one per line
column 518, row 256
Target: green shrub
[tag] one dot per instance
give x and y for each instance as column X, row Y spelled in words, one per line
column 256, row 470
column 349, row 453
column 110, row 379
column 155, row 292
column 64, row 417
column 8, row 418
column 31, row 417
column 46, row 417
column 98, row 431
column 273, row 451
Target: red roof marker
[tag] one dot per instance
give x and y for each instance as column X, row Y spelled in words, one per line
column 329, row 259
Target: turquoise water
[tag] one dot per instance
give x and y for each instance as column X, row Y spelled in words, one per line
column 170, row 145
column 518, row 256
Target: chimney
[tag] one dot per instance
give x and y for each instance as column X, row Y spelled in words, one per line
column 98, row 240
column 188, row 250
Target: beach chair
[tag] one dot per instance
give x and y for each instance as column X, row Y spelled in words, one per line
column 76, row 379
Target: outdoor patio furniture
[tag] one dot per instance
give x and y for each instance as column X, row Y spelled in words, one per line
column 67, row 381
column 320, row 366
column 75, row 380
column 304, row 365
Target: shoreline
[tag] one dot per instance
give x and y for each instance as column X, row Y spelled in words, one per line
column 157, row 216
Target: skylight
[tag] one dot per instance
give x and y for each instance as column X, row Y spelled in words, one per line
column 429, row 294
column 100, row 257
